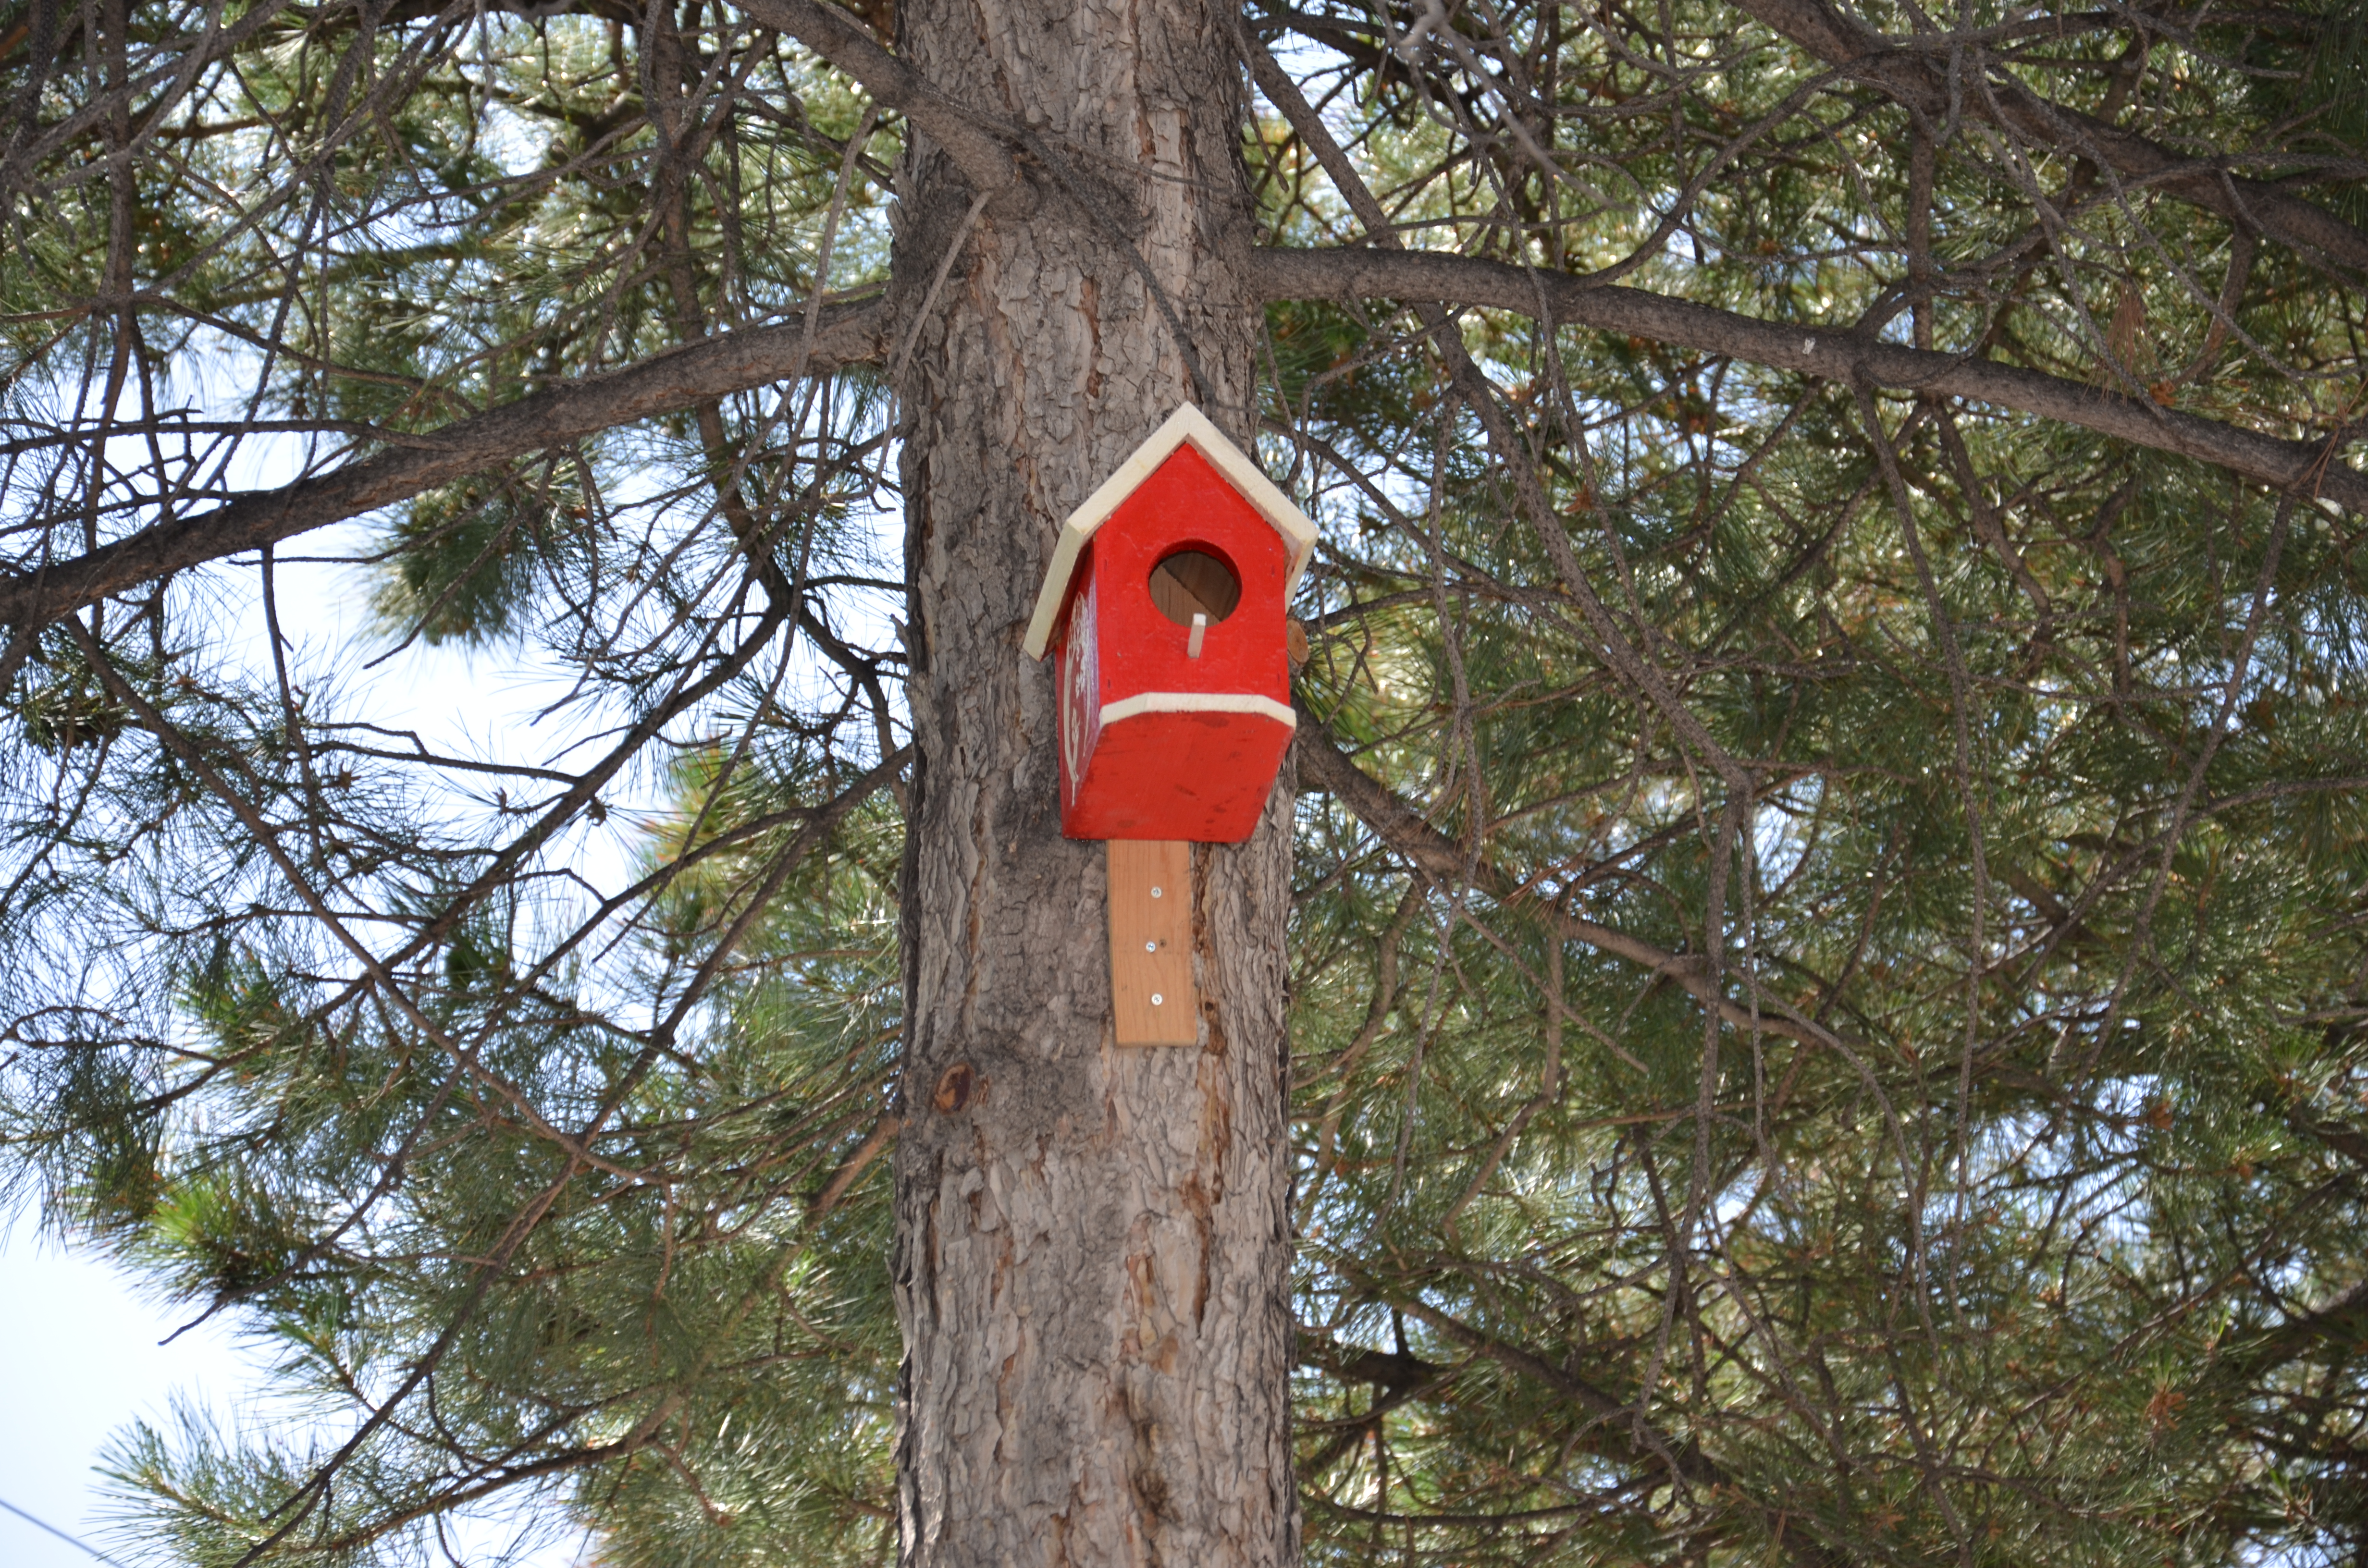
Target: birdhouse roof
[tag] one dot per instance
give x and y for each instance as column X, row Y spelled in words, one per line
column 1187, row 425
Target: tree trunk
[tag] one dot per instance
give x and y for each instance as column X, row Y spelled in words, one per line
column 1092, row 1258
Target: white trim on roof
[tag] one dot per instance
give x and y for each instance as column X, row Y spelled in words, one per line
column 1187, row 424
column 1199, row 702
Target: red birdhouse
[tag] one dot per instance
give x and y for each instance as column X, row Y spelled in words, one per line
column 1164, row 604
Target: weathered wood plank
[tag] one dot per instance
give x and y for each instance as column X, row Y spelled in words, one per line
column 1152, row 998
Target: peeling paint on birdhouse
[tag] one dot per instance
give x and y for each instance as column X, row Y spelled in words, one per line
column 1164, row 608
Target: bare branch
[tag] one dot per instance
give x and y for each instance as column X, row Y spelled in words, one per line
column 1406, row 831
column 1922, row 85
column 715, row 368
column 1843, row 355
column 984, row 157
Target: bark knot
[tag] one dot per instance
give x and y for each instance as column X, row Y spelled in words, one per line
column 957, row 1086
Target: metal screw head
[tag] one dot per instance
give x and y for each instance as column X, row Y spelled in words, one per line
column 1150, row 946
column 1157, row 998
column 1155, row 892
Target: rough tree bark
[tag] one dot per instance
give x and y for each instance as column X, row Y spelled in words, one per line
column 1092, row 1249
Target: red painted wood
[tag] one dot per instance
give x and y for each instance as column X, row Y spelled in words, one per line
column 1203, row 777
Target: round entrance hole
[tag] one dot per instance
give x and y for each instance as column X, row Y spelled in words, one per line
column 1194, row 582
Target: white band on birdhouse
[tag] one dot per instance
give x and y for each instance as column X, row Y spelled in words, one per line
column 1198, row 702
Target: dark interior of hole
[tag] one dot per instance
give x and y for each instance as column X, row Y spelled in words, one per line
column 1193, row 581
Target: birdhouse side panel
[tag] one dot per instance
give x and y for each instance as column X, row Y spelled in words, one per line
column 1078, row 671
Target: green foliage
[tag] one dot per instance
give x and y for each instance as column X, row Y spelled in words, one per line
column 1889, row 1088
column 462, row 564
column 2311, row 74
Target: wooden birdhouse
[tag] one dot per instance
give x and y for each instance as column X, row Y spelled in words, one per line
column 1164, row 608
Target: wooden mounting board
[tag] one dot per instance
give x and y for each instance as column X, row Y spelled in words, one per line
column 1152, row 1002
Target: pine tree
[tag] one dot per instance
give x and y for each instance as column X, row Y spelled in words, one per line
column 1801, row 998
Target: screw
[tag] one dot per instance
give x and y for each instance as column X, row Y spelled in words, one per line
column 1150, row 946
column 1155, row 892
column 1157, row 998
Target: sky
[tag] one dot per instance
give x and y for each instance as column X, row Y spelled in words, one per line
column 81, row 1351
column 80, row 1358
column 82, row 1355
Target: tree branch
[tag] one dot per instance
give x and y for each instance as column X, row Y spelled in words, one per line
column 1843, row 355
column 2342, row 1318
column 984, row 156
column 717, row 367
column 1405, row 830
column 1917, row 82
column 1682, row 1455
column 853, row 333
